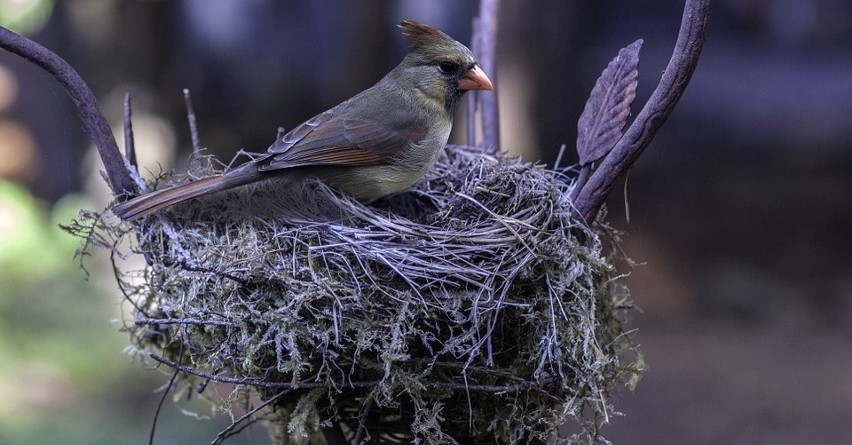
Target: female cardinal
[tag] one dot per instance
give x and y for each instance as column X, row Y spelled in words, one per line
column 379, row 142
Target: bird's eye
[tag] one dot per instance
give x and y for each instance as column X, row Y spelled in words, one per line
column 448, row 67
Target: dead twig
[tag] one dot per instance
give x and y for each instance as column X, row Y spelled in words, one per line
column 230, row 429
column 193, row 123
column 129, row 144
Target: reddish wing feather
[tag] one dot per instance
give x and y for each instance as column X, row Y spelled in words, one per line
column 330, row 140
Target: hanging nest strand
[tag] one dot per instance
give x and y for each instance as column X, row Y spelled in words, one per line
column 473, row 308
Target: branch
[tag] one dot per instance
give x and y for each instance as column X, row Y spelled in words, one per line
column 193, row 123
column 483, row 43
column 486, row 30
column 472, row 99
column 671, row 87
column 94, row 122
column 140, row 321
column 129, row 145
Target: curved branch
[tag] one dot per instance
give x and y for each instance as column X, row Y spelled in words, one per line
column 682, row 64
column 94, row 122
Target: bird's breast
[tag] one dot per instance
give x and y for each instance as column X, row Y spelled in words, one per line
column 420, row 156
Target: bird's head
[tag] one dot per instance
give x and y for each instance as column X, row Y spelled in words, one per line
column 439, row 66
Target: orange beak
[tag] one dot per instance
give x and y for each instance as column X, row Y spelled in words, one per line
column 475, row 79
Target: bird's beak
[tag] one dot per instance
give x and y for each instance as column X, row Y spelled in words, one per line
column 475, row 79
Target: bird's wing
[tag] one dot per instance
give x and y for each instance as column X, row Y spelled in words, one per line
column 332, row 139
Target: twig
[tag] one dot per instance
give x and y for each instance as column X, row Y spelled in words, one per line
column 129, row 145
column 227, row 432
column 254, row 382
column 472, row 102
column 671, row 87
column 193, row 123
column 362, row 423
column 190, row 268
column 121, row 284
column 94, row 122
column 160, row 407
column 334, row 434
column 163, row 399
column 194, row 321
column 580, row 182
column 486, row 29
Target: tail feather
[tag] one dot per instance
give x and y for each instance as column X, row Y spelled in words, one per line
column 155, row 201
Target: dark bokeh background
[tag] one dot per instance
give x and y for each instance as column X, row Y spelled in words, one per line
column 739, row 211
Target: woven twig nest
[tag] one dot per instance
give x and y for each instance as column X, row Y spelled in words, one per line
column 472, row 308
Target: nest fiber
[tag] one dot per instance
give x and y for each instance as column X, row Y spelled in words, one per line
column 473, row 308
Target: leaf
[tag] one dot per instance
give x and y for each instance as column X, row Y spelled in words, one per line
column 605, row 115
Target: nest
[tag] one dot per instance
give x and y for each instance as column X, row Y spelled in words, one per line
column 474, row 308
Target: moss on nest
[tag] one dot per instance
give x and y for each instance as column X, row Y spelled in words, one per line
column 473, row 308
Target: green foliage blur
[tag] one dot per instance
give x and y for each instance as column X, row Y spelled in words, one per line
column 64, row 376
column 56, row 342
column 25, row 16
column 42, row 291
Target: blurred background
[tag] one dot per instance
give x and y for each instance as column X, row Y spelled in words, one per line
column 739, row 211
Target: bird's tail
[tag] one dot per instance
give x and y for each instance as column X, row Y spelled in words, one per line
column 155, row 201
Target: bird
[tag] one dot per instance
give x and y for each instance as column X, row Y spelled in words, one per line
column 377, row 143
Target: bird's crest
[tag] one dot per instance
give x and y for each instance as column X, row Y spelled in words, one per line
column 419, row 34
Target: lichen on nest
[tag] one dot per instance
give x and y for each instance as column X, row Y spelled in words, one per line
column 472, row 308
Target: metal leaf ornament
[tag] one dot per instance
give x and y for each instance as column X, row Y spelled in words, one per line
column 603, row 120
